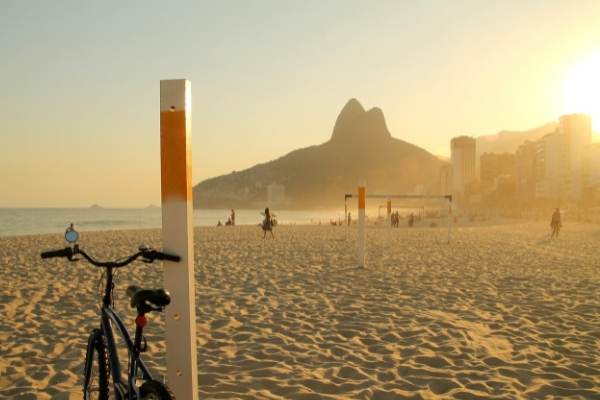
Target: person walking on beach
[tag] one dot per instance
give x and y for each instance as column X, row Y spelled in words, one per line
column 555, row 223
column 267, row 224
column 232, row 217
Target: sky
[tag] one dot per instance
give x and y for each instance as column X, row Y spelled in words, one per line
column 79, row 82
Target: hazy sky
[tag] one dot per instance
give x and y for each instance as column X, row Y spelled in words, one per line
column 79, row 81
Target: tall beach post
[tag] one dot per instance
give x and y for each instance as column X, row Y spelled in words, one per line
column 346, row 216
column 361, row 240
column 177, row 235
column 389, row 213
column 449, row 217
column 389, row 217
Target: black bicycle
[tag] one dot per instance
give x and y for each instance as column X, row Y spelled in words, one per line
column 102, row 361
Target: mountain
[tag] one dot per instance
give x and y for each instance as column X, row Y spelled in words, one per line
column 318, row 176
column 509, row 141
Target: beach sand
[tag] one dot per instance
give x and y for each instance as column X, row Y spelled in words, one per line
column 502, row 312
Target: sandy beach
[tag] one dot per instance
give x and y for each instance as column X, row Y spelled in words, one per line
column 500, row 313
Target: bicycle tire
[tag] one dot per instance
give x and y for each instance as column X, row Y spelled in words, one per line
column 154, row 390
column 100, row 371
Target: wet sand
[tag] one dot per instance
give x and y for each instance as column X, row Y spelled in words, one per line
column 502, row 312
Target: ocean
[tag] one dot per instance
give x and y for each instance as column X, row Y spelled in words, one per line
column 27, row 221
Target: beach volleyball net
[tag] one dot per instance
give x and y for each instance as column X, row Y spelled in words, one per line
column 407, row 210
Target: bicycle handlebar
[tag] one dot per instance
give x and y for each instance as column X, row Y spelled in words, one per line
column 66, row 252
column 147, row 255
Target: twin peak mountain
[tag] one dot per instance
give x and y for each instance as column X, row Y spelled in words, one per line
column 360, row 147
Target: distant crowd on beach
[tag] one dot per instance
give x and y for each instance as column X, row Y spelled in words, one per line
column 230, row 221
column 268, row 223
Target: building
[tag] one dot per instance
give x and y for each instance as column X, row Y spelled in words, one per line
column 493, row 166
column 525, row 172
column 275, row 194
column 591, row 169
column 552, row 166
column 445, row 180
column 577, row 129
column 463, row 160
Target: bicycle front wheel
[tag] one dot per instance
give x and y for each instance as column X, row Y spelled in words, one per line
column 154, row 390
column 97, row 386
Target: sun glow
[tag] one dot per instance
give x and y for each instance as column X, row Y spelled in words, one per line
column 582, row 90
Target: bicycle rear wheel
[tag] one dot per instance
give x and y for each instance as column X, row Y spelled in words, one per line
column 98, row 378
column 154, row 390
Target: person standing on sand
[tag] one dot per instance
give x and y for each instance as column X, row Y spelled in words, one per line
column 267, row 224
column 555, row 223
column 349, row 219
column 232, row 217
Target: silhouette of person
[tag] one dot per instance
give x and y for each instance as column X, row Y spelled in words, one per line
column 267, row 224
column 232, row 217
column 555, row 223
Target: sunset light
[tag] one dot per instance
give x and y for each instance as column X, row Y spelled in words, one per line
column 582, row 89
column 364, row 200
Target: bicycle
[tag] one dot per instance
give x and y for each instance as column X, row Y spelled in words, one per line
column 102, row 360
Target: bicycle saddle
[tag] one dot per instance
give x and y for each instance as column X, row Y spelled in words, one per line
column 155, row 297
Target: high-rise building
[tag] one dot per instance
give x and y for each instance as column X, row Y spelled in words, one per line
column 463, row 166
column 525, row 171
column 493, row 166
column 446, row 180
column 577, row 129
column 552, row 166
column 591, row 167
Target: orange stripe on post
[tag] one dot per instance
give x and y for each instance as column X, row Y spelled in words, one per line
column 361, row 197
column 175, row 168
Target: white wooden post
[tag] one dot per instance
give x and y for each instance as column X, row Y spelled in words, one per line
column 389, row 213
column 361, row 240
column 346, row 216
column 449, row 218
column 178, row 235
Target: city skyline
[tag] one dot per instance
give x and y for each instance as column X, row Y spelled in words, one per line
column 81, row 83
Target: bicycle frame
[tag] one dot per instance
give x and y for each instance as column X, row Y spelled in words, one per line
column 102, row 338
column 109, row 320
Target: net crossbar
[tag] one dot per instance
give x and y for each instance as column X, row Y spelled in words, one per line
column 447, row 198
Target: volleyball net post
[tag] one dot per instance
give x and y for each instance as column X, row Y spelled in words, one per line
column 449, row 216
column 362, row 233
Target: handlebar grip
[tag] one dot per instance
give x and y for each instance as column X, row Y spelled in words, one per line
column 170, row 257
column 163, row 256
column 66, row 252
